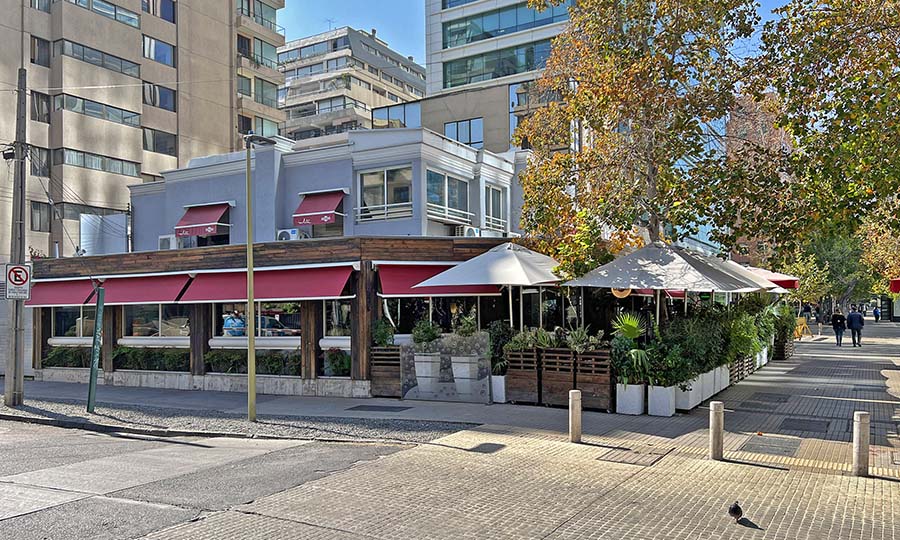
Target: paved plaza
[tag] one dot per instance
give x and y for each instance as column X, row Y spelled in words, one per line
column 513, row 475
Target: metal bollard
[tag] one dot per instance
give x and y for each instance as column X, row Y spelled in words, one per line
column 716, row 430
column 860, row 443
column 575, row 416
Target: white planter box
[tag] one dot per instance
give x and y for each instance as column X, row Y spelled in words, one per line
column 765, row 354
column 708, row 384
column 688, row 399
column 725, row 379
column 498, row 388
column 428, row 369
column 661, row 401
column 465, row 372
column 630, row 399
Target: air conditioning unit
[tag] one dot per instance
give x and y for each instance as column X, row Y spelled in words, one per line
column 491, row 234
column 467, row 230
column 291, row 234
column 167, row 242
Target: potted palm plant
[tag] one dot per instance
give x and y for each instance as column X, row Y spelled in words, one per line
column 630, row 363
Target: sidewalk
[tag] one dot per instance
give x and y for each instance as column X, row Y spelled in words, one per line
column 797, row 412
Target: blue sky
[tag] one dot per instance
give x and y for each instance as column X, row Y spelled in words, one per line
column 399, row 22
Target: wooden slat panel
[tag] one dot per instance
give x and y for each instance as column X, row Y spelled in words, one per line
column 385, row 371
column 557, row 376
column 522, row 383
column 201, row 331
column 593, row 377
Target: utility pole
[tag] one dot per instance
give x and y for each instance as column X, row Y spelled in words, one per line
column 14, row 385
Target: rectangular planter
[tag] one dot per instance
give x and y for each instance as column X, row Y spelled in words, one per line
column 428, row 371
column 465, row 373
column 725, row 378
column 690, row 398
column 593, row 376
column 557, row 376
column 661, row 400
column 630, row 399
column 498, row 388
column 708, row 384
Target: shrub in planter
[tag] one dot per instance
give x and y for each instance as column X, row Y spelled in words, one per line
column 425, row 332
column 337, row 363
column 466, row 325
column 743, row 339
column 278, row 362
column 67, row 357
column 383, row 333
column 500, row 334
column 225, row 361
column 146, row 359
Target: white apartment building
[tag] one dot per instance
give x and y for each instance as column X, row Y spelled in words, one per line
column 333, row 80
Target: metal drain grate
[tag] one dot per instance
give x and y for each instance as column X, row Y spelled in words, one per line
column 803, row 424
column 773, row 446
column 754, row 406
column 644, row 457
column 378, row 408
column 769, row 397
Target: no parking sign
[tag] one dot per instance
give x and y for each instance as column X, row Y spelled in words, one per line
column 18, row 282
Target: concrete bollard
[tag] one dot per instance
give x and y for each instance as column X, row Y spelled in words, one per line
column 575, row 416
column 860, row 443
column 716, row 430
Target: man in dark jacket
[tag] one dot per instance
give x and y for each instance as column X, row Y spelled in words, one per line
column 855, row 323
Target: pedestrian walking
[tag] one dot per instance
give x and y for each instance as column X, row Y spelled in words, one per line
column 876, row 313
column 820, row 318
column 839, row 323
column 807, row 312
column 856, row 322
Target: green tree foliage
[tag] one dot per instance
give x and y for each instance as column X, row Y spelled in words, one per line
column 813, row 276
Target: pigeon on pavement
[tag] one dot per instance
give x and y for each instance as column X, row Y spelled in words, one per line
column 735, row 511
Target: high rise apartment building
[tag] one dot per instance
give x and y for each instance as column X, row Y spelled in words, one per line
column 481, row 56
column 120, row 90
column 334, row 79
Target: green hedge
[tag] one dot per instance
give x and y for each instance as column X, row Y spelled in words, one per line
column 268, row 362
column 152, row 359
column 67, row 357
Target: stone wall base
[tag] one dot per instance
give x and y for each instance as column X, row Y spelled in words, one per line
column 218, row 382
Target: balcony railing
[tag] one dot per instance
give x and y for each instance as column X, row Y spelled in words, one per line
column 494, row 223
column 449, row 215
column 278, row 29
column 384, row 211
column 258, row 60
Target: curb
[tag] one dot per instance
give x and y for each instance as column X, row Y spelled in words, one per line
column 112, row 428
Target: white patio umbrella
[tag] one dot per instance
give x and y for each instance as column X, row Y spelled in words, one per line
column 506, row 265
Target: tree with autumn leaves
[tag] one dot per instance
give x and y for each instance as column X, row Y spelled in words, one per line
column 637, row 135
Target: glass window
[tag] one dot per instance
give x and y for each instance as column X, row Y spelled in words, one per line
column 73, row 157
column 413, row 115
column 159, row 96
column 41, row 5
column 104, row 8
column 399, row 186
column 40, row 161
column 373, row 189
column 159, row 51
column 40, row 216
column 67, row 321
column 435, row 186
column 279, row 320
column 266, row 53
column 244, row 85
column 245, row 124
column 447, row 310
column 93, row 161
column 457, row 194
column 93, row 56
column 92, row 108
column 266, row 127
column 531, row 307
column 40, row 107
column 142, row 320
column 40, row 51
column 551, row 308
column 243, row 45
column 167, row 10
column 337, row 318
column 505, row 62
column 175, row 321
column 266, row 93
column 128, row 17
column 160, row 142
column 469, row 132
column 230, row 319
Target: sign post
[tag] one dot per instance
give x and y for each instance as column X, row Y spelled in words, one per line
column 95, row 351
column 18, row 282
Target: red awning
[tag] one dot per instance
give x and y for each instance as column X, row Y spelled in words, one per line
column 398, row 280
column 318, row 208
column 76, row 292
column 782, row 280
column 144, row 290
column 203, row 221
column 895, row 285
column 269, row 285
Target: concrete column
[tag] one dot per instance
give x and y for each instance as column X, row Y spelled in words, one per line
column 716, row 430
column 575, row 416
column 861, row 443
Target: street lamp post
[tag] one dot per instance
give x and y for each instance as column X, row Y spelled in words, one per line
column 249, row 140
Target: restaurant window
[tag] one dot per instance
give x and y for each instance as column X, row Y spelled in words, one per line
column 551, row 308
column 272, row 320
column 74, row 321
column 446, row 311
column 40, row 216
column 404, row 313
column 493, row 308
column 386, row 194
column 531, row 307
column 175, row 320
column 141, row 320
column 337, row 317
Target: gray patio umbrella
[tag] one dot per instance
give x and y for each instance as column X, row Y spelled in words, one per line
column 506, row 265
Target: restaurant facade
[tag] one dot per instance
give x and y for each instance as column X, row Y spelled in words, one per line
column 343, row 231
